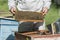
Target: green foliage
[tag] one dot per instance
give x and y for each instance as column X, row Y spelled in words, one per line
column 4, row 5
column 2, row 2
column 52, row 15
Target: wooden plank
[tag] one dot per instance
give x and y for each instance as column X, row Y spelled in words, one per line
column 34, row 32
column 32, row 20
column 36, row 36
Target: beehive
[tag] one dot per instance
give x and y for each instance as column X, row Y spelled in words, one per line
column 32, row 36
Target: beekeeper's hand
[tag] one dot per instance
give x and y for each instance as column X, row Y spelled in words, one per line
column 44, row 11
column 13, row 10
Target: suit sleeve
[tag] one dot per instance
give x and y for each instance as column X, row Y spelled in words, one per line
column 11, row 3
column 47, row 3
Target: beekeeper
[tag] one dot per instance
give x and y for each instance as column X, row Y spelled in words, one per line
column 30, row 5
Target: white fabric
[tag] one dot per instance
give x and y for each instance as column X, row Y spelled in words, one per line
column 29, row 5
column 42, row 27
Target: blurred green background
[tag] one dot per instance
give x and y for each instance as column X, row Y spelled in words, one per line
column 52, row 15
column 3, row 5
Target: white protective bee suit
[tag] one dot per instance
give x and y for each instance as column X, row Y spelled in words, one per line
column 30, row 5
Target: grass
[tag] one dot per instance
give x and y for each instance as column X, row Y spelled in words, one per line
column 3, row 5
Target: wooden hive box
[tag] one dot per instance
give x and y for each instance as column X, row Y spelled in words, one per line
column 28, row 16
column 35, row 36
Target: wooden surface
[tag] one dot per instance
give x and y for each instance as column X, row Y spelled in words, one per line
column 32, row 20
column 35, row 35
